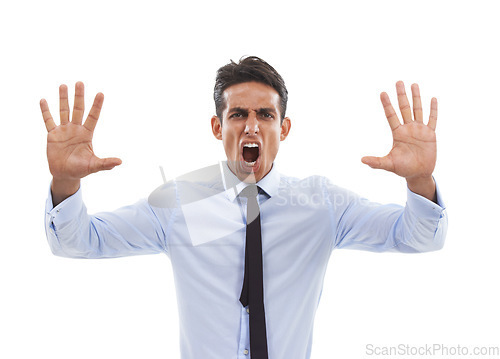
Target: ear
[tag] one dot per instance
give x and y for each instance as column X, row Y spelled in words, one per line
column 217, row 127
column 285, row 128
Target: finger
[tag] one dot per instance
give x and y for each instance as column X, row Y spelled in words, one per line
column 47, row 117
column 404, row 105
column 417, row 104
column 94, row 113
column 389, row 111
column 104, row 164
column 434, row 113
column 381, row 163
column 79, row 105
column 63, row 104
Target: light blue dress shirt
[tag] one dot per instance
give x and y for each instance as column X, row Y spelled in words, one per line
column 198, row 221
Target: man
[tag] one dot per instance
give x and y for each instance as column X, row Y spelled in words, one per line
column 249, row 246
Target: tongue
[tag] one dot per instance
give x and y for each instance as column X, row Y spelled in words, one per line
column 250, row 154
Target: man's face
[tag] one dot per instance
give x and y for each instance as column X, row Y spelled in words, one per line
column 251, row 129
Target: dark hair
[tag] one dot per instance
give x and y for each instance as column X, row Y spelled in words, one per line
column 250, row 68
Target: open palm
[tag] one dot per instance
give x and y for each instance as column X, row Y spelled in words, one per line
column 413, row 154
column 69, row 145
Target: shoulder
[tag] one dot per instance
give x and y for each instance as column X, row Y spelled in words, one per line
column 190, row 187
column 165, row 196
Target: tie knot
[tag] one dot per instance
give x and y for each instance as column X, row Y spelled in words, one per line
column 250, row 191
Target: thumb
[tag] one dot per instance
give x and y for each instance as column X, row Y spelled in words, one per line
column 103, row 164
column 380, row 163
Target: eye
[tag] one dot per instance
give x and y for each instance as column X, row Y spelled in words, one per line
column 267, row 115
column 236, row 115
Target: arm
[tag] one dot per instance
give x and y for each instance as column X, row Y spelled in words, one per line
column 131, row 230
column 420, row 226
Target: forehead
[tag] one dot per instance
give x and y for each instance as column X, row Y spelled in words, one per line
column 252, row 95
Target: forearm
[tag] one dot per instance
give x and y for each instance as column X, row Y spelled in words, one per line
column 130, row 230
column 418, row 227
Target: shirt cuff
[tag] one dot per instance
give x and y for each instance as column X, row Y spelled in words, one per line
column 67, row 209
column 425, row 208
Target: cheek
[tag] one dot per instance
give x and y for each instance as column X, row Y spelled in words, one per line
column 273, row 144
column 229, row 142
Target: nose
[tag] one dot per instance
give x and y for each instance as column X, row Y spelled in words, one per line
column 252, row 124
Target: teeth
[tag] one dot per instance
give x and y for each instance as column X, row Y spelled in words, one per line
column 250, row 145
column 250, row 163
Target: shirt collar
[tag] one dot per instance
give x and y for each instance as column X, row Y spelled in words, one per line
column 233, row 186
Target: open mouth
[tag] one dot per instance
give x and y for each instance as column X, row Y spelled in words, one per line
column 251, row 152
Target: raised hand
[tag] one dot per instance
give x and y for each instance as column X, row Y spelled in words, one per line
column 413, row 153
column 69, row 145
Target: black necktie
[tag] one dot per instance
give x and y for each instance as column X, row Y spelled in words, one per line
column 252, row 293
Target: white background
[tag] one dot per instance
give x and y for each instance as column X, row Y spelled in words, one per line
column 155, row 62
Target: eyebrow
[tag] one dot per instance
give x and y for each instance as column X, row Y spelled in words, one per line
column 260, row 110
column 266, row 109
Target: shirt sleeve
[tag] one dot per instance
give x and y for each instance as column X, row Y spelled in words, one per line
column 131, row 230
column 420, row 226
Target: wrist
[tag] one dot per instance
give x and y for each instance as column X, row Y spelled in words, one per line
column 423, row 186
column 63, row 188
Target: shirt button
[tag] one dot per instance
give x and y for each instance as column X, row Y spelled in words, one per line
column 248, row 310
column 245, row 351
